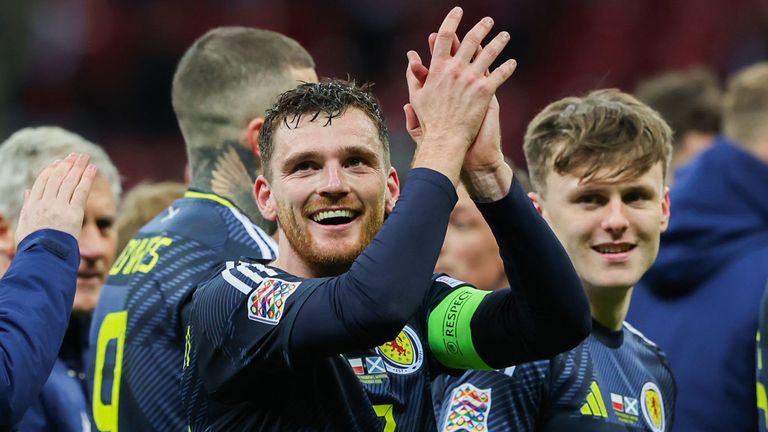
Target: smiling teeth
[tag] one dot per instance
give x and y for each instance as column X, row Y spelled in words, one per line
column 613, row 248
column 323, row 215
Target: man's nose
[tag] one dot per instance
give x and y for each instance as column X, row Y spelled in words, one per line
column 92, row 243
column 616, row 221
column 335, row 182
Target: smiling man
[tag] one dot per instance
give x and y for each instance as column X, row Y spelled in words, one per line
column 62, row 404
column 598, row 165
column 345, row 330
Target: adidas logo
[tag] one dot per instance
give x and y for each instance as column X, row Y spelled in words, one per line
column 595, row 406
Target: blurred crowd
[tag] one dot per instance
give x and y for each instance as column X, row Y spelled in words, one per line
column 104, row 68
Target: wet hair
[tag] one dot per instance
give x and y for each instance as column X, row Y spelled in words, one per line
column 328, row 99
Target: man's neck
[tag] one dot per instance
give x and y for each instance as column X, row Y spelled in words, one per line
column 609, row 305
column 229, row 171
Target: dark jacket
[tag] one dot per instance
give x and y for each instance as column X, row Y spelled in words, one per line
column 36, row 295
column 63, row 404
column 700, row 300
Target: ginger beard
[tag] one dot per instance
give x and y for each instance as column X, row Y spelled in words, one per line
column 324, row 257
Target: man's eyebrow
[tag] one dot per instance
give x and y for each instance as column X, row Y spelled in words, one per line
column 361, row 150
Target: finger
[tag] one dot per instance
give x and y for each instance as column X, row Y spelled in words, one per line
column 502, row 73
column 80, row 196
column 446, row 33
column 417, row 67
column 73, row 178
column 56, row 177
column 38, row 187
column 420, row 72
column 454, row 46
column 414, row 84
column 412, row 124
column 477, row 53
column 490, row 52
column 474, row 38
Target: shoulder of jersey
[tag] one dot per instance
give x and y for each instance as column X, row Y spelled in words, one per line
column 247, row 274
column 186, row 214
column 643, row 340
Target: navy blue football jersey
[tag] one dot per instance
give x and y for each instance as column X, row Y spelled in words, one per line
column 239, row 374
column 613, row 381
column 137, row 335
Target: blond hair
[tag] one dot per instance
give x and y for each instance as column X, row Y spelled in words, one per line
column 606, row 131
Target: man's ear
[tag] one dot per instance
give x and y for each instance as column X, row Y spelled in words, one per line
column 536, row 200
column 263, row 194
column 393, row 190
column 252, row 135
column 666, row 210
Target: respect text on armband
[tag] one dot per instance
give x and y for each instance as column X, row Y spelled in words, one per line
column 140, row 255
column 452, row 314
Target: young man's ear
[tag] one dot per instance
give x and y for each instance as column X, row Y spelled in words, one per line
column 263, row 194
column 393, row 191
column 536, row 200
column 666, row 210
column 252, row 135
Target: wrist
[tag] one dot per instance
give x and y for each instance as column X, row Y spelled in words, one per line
column 488, row 184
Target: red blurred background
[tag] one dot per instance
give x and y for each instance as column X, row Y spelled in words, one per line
column 103, row 68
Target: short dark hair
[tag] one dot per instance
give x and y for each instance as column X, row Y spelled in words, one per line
column 329, row 97
column 688, row 100
column 229, row 76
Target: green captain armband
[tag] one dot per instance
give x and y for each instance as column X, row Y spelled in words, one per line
column 450, row 335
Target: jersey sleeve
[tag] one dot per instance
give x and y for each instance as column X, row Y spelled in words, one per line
column 545, row 312
column 36, row 295
column 508, row 399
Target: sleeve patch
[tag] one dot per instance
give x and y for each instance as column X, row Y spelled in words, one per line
column 267, row 302
column 468, row 410
column 451, row 282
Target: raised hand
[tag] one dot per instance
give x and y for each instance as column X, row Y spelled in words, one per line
column 57, row 198
column 451, row 101
column 484, row 171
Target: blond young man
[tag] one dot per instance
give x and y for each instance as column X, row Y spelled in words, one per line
column 597, row 165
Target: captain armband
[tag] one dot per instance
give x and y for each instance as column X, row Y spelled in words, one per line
column 450, row 333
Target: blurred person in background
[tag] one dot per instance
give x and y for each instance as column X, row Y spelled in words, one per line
column 37, row 291
column 700, row 299
column 141, row 204
column 598, row 166
column 691, row 103
column 470, row 252
column 222, row 87
column 63, row 403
